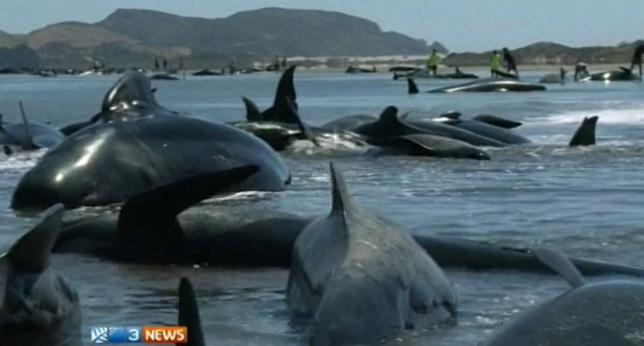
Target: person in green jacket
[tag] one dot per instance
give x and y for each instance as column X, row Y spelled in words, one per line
column 495, row 63
column 433, row 61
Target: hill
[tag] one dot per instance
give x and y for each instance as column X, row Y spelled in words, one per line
column 132, row 37
column 542, row 53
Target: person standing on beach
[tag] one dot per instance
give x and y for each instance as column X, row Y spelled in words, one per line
column 495, row 64
column 433, row 61
column 581, row 71
column 510, row 63
column 637, row 58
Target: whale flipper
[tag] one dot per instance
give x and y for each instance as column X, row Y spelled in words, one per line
column 158, row 207
column 437, row 146
column 31, row 252
column 412, row 88
column 280, row 111
column 497, row 121
column 625, row 69
column 585, row 134
column 189, row 314
column 562, row 265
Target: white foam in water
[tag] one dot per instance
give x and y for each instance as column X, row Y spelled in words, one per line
column 606, row 116
column 20, row 160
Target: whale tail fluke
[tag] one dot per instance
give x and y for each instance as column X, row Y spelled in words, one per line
column 280, row 110
column 585, row 134
column 189, row 314
column 252, row 111
column 412, row 88
column 158, row 207
column 561, row 265
column 31, row 252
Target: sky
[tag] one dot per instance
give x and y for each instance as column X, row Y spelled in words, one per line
column 461, row 25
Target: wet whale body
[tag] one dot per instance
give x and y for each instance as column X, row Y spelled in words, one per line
column 487, row 126
column 234, row 235
column 606, row 313
column 362, row 278
column 491, row 84
column 137, row 145
column 38, row 305
column 244, row 235
column 623, row 74
column 442, row 140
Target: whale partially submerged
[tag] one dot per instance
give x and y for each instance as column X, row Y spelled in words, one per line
column 489, row 85
column 37, row 306
column 362, row 278
column 27, row 135
column 137, row 145
column 430, row 139
column 620, row 75
column 609, row 312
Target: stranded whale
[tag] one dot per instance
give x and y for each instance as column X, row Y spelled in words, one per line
column 600, row 313
column 38, row 307
column 141, row 144
column 362, row 278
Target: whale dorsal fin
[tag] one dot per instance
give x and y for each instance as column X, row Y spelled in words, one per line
column 281, row 111
column 561, row 265
column 31, row 252
column 585, row 134
column 412, row 88
column 389, row 116
column 134, row 88
column 158, row 207
column 27, row 142
column 342, row 201
column 252, row 111
column 189, row 314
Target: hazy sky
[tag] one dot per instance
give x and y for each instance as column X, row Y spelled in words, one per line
column 462, row 25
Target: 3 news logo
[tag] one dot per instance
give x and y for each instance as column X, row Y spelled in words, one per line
column 139, row 335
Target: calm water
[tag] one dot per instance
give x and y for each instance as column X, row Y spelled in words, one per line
column 584, row 201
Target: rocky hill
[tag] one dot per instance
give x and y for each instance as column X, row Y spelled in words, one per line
column 130, row 37
column 542, row 53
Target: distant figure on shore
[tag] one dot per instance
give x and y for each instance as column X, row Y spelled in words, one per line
column 156, row 64
column 165, row 64
column 433, row 61
column 562, row 74
column 581, row 71
column 495, row 64
column 510, row 63
column 637, row 58
column 232, row 67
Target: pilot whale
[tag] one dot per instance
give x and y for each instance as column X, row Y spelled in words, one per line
column 484, row 85
column 362, row 278
column 603, row 313
column 38, row 307
column 245, row 235
column 141, row 144
column 27, row 135
column 623, row 74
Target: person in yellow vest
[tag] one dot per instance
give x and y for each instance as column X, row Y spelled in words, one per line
column 495, row 63
column 433, row 61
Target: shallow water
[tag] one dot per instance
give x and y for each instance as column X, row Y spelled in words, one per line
column 584, row 201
